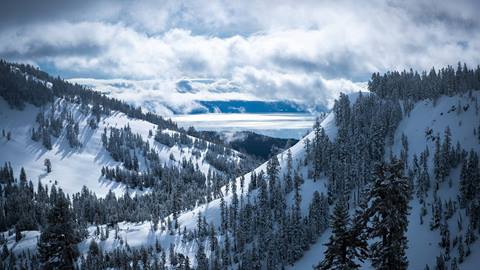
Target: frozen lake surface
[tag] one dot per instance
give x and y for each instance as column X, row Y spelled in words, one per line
column 281, row 125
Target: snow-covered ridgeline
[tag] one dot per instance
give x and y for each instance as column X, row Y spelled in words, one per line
column 423, row 242
column 75, row 168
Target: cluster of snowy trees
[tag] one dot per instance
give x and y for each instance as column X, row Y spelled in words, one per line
column 432, row 84
column 128, row 148
column 24, row 208
column 172, row 139
column 251, row 228
column 223, row 163
column 18, row 89
column 363, row 130
column 264, row 230
column 248, row 229
column 377, row 230
column 18, row 207
column 6, row 174
column 21, row 206
column 216, row 155
column 59, row 118
column 470, row 181
column 152, row 257
column 122, row 145
column 57, row 245
column 360, row 143
column 446, row 157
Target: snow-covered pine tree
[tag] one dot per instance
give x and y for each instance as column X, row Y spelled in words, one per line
column 358, row 231
column 404, row 151
column 388, row 214
column 201, row 258
column 48, row 165
column 57, row 244
column 337, row 254
column 317, row 151
column 288, row 174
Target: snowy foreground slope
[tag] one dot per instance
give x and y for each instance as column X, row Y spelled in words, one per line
column 423, row 245
column 74, row 168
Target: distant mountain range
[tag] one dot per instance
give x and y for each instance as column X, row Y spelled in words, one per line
column 246, row 106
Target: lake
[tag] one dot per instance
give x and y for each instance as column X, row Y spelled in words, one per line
column 280, row 125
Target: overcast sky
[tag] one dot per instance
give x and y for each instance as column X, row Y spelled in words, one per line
column 271, row 49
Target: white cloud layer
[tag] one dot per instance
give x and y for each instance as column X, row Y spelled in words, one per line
column 301, row 50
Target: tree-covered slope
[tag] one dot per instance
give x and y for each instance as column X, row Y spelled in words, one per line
column 279, row 214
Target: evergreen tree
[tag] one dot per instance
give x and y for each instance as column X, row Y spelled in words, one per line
column 436, row 213
column 272, row 172
column 388, row 215
column 358, row 230
column 48, row 165
column 447, row 155
column 201, row 258
column 288, row 176
column 23, row 177
column 57, row 244
column 317, row 150
column 317, row 215
column 404, row 151
column 461, row 250
column 441, row 263
column 339, row 253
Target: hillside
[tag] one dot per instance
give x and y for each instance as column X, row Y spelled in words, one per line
column 251, row 143
column 434, row 119
column 413, row 126
column 82, row 166
column 275, row 216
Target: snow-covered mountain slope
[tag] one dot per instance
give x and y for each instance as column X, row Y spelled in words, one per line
column 428, row 119
column 423, row 247
column 73, row 168
column 461, row 115
column 432, row 118
column 138, row 234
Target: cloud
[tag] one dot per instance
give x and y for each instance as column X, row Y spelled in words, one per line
column 164, row 96
column 309, row 88
column 302, row 50
column 183, row 96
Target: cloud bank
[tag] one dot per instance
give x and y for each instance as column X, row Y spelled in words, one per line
column 300, row 50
